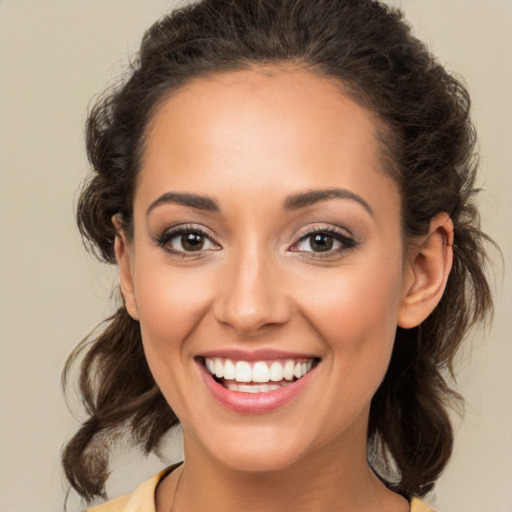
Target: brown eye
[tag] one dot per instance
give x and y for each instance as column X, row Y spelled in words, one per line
column 192, row 242
column 185, row 240
column 321, row 242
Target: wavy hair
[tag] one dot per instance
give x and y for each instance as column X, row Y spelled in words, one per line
column 428, row 146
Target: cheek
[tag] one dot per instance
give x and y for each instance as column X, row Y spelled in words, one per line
column 170, row 303
column 364, row 294
column 355, row 311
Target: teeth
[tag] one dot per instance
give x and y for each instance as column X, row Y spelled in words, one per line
column 210, row 364
column 243, row 372
column 229, row 370
column 258, row 388
column 276, row 371
column 259, row 371
column 219, row 368
column 288, row 370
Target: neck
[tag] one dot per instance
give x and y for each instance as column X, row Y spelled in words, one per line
column 330, row 479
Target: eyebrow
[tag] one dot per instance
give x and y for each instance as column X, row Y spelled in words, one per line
column 304, row 199
column 185, row 199
column 293, row 202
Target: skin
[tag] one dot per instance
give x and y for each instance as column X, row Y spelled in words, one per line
column 249, row 140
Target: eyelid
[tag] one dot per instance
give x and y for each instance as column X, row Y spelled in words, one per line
column 166, row 235
column 343, row 236
column 324, row 228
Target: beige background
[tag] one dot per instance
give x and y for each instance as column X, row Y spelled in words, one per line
column 54, row 56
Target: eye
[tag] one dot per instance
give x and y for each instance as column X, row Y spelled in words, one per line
column 320, row 242
column 183, row 240
column 323, row 242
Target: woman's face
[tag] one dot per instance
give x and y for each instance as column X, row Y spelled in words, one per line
column 266, row 242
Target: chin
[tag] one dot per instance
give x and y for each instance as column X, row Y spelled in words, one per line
column 267, row 452
column 257, row 460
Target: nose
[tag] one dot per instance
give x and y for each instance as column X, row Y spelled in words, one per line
column 252, row 294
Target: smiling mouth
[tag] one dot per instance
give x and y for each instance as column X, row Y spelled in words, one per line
column 257, row 376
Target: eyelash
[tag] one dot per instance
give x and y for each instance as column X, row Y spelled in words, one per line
column 167, row 236
column 347, row 242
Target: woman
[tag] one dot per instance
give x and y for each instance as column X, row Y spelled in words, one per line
column 287, row 189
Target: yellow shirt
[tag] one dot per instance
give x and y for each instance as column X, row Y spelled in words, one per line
column 143, row 498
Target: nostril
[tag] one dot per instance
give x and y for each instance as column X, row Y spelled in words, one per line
column 251, row 321
column 249, row 298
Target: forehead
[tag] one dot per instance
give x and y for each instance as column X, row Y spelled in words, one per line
column 264, row 131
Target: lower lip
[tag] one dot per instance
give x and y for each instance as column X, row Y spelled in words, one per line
column 254, row 403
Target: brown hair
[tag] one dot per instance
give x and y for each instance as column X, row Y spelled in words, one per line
column 428, row 142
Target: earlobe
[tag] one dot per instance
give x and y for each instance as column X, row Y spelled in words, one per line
column 124, row 259
column 429, row 264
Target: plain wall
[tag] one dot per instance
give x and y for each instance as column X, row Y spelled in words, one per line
column 55, row 55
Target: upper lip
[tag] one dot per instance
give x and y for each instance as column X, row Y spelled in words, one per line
column 256, row 355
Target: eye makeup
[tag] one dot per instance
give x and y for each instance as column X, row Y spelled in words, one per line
column 186, row 240
column 328, row 242
column 317, row 242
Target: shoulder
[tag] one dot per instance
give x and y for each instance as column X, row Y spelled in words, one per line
column 140, row 500
column 143, row 498
column 117, row 505
column 419, row 506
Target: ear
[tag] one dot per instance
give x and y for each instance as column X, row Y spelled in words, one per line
column 124, row 257
column 429, row 265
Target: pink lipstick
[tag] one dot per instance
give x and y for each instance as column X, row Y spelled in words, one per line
column 256, row 382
